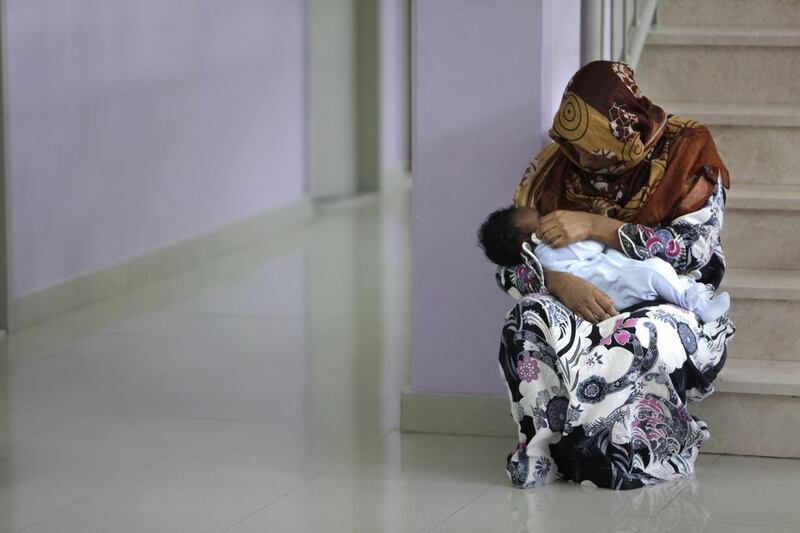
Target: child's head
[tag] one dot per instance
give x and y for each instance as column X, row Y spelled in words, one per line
column 502, row 233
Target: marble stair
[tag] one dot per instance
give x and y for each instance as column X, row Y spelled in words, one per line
column 732, row 64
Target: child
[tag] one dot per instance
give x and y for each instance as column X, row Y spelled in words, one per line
column 505, row 235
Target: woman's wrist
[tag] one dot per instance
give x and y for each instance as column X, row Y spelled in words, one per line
column 604, row 229
column 553, row 279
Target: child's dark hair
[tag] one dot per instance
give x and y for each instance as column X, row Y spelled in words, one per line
column 500, row 237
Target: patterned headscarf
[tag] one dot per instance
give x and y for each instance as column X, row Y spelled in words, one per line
column 659, row 166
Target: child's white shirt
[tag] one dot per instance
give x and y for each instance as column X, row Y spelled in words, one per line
column 629, row 281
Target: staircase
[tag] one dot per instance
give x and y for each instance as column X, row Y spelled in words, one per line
column 735, row 66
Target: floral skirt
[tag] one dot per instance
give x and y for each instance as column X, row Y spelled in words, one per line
column 607, row 402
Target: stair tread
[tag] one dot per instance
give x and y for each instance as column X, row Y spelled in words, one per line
column 737, row 114
column 755, row 376
column 762, row 283
column 722, row 36
column 768, row 197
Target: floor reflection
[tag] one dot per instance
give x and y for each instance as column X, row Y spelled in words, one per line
column 260, row 392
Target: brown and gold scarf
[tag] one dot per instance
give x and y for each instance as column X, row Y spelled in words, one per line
column 659, row 167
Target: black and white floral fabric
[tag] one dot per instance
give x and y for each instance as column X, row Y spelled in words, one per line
column 609, row 402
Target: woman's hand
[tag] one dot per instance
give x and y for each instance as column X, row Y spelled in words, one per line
column 562, row 227
column 580, row 296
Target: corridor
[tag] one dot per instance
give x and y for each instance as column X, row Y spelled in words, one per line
column 260, row 392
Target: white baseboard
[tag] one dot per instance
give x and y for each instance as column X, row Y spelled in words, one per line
column 91, row 287
column 725, row 413
column 394, row 179
column 456, row 414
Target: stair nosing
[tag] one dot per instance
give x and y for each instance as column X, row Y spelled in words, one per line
column 723, row 36
column 745, row 284
column 744, row 114
column 747, row 197
column 741, row 376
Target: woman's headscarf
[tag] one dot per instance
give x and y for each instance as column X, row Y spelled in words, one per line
column 659, row 167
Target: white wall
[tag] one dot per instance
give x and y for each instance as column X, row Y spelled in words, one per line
column 394, row 88
column 332, row 83
column 136, row 124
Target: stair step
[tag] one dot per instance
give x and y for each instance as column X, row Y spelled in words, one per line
column 764, row 197
column 721, row 65
column 760, row 226
column 765, row 305
column 758, row 142
column 738, row 114
column 762, row 284
column 754, row 376
column 753, row 13
column 694, row 36
column 755, row 409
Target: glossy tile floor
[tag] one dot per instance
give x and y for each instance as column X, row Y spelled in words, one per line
column 259, row 393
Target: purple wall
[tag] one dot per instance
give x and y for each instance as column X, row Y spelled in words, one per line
column 476, row 124
column 561, row 53
column 137, row 124
column 478, row 118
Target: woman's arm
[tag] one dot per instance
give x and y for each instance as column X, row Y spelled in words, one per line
column 577, row 294
column 528, row 277
column 606, row 230
column 688, row 243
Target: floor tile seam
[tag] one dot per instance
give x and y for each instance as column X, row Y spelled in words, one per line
column 750, row 484
column 112, row 483
column 86, row 413
column 59, row 418
column 194, row 418
column 48, row 425
column 133, row 386
column 451, row 515
column 229, row 317
column 787, row 527
column 746, row 522
column 58, row 352
column 169, row 370
column 238, row 315
column 284, row 495
column 663, row 507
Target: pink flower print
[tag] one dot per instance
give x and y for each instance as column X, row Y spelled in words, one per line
column 523, row 276
column 621, row 336
column 594, row 359
column 661, row 243
column 673, row 248
column 528, row 368
column 683, row 415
